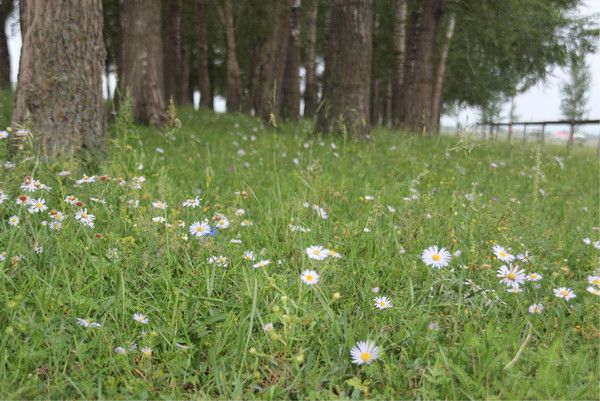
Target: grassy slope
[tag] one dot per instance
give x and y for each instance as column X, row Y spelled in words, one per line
column 219, row 311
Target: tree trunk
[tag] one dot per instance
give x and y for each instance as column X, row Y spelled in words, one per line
column 202, row 55
column 310, row 88
column 291, row 79
column 173, row 50
column 59, row 90
column 6, row 8
column 438, row 88
column 233, row 92
column 185, row 89
column 348, row 66
column 275, row 60
column 142, row 60
column 404, row 101
column 399, row 59
column 419, row 111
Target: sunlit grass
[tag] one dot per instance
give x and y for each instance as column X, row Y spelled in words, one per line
column 450, row 333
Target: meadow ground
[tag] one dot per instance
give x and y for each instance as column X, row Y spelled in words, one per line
column 210, row 324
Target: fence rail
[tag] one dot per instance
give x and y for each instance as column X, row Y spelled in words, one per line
column 489, row 127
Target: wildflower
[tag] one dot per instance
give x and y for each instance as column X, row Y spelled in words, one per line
column 534, row 277
column 375, row 290
column 434, row 326
column 159, row 219
column 37, row 205
column 120, row 350
column 335, row 254
column 193, row 203
column 235, row 241
column 309, row 277
column 594, row 280
column 566, row 293
column 22, row 200
column 56, row 215
column 246, row 223
column 140, row 318
column 391, row 209
column 71, row 200
column 88, row 323
column 587, row 241
column 86, row 180
column 262, row 263
column 159, row 205
column 364, row 352
column 536, row 309
column 200, row 229
column 593, row 290
column 382, row 303
column 146, row 351
column 55, row 225
column 502, row 254
column 220, row 261
column 13, row 221
column 317, row 252
column 221, row 221
column 248, row 255
column 85, row 218
column 512, row 277
column 435, row 257
column 3, row 134
column 597, row 244
column 268, row 327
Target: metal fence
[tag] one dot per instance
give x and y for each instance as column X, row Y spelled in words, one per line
column 490, row 130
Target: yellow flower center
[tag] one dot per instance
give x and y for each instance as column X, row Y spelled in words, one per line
column 39, row 205
column 511, row 276
column 596, row 281
column 564, row 293
column 309, row 277
column 436, row 257
column 365, row 356
column 381, row 303
column 503, row 254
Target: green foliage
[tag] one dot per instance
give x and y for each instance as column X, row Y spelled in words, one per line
column 576, row 90
column 139, row 265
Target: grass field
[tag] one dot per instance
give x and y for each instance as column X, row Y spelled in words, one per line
column 454, row 332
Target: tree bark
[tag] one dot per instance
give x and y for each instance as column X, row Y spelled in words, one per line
column 310, row 64
column 418, row 118
column 438, row 88
column 291, row 79
column 173, row 51
column 348, row 66
column 275, row 60
column 399, row 59
column 202, row 55
column 6, row 8
column 234, row 85
column 142, row 60
column 59, row 93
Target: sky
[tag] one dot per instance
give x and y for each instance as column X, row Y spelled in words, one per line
column 541, row 102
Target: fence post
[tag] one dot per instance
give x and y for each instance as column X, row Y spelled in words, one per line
column 571, row 135
column 509, row 132
column 524, row 132
column 543, row 137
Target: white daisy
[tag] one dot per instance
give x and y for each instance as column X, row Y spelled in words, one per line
column 146, row 351
column 435, row 257
column 248, row 255
column 364, row 352
column 317, row 252
column 14, row 221
column 536, row 309
column 594, row 280
column 88, row 323
column 565, row 293
column 193, row 203
column 382, row 303
column 200, row 229
column 221, row 221
column 140, row 318
column 534, row 277
column 262, row 263
column 37, row 205
column 85, row 218
column 593, row 290
column 159, row 205
column 502, row 254
column 511, row 277
column 309, row 277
